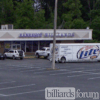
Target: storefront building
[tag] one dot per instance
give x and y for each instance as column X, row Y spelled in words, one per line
column 32, row 40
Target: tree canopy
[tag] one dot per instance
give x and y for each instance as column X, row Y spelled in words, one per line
column 72, row 14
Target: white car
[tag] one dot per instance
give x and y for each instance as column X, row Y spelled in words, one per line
column 45, row 52
column 15, row 54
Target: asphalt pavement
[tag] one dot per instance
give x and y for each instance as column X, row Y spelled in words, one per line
column 27, row 79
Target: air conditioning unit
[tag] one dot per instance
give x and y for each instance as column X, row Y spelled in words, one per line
column 7, row 26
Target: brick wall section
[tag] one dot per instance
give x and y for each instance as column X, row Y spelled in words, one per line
column 1, row 47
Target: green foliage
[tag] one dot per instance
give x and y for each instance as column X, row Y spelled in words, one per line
column 50, row 21
column 24, row 15
column 92, row 41
column 6, row 12
column 73, row 8
column 78, row 24
column 39, row 20
column 95, row 25
column 72, row 14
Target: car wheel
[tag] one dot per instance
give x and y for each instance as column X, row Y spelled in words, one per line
column 5, row 56
column 37, row 55
column 21, row 58
column 48, row 56
column 63, row 59
column 14, row 57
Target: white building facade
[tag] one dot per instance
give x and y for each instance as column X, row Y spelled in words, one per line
column 30, row 40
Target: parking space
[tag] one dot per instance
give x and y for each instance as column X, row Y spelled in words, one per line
column 27, row 79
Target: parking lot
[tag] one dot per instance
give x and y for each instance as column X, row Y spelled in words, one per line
column 27, row 79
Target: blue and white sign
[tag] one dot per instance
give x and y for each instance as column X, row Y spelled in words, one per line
column 30, row 35
column 45, row 35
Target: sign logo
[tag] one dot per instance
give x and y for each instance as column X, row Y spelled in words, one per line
column 91, row 52
column 59, row 93
column 69, row 93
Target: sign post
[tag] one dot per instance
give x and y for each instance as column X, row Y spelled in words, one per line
column 54, row 38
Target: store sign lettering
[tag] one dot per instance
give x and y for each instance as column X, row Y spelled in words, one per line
column 45, row 35
column 60, row 34
column 28, row 35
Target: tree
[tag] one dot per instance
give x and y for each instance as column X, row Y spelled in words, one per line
column 6, row 12
column 72, row 12
column 78, row 24
column 39, row 20
column 24, row 15
column 95, row 25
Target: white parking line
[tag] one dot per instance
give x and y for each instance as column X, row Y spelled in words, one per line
column 7, row 82
column 93, row 78
column 33, row 70
column 16, row 87
column 49, row 71
column 66, row 72
column 2, row 95
column 78, row 68
column 15, row 69
column 24, row 93
column 88, row 73
column 91, row 70
column 78, row 75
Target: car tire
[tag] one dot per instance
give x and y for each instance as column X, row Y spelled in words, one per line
column 37, row 55
column 14, row 57
column 5, row 56
column 48, row 56
column 63, row 59
column 21, row 58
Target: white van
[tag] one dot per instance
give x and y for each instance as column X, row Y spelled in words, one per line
column 73, row 52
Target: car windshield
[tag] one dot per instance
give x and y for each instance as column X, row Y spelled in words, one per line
column 42, row 49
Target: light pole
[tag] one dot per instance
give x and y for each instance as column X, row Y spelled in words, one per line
column 54, row 37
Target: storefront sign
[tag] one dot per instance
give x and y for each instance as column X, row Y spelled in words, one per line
column 45, row 35
column 27, row 35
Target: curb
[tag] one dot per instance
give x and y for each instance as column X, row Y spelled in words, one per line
column 32, row 57
column 27, row 57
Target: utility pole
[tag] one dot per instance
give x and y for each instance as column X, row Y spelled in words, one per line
column 54, row 37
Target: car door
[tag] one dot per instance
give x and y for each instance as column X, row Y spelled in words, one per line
column 47, row 52
column 42, row 52
column 11, row 53
column 7, row 53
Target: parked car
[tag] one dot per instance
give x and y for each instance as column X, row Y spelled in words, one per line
column 45, row 52
column 2, row 56
column 15, row 54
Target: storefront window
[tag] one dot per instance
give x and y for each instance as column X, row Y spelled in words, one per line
column 47, row 43
column 14, row 46
column 23, row 46
column 35, row 46
column 44, row 44
column 16, row 42
column 7, row 46
column 29, row 46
